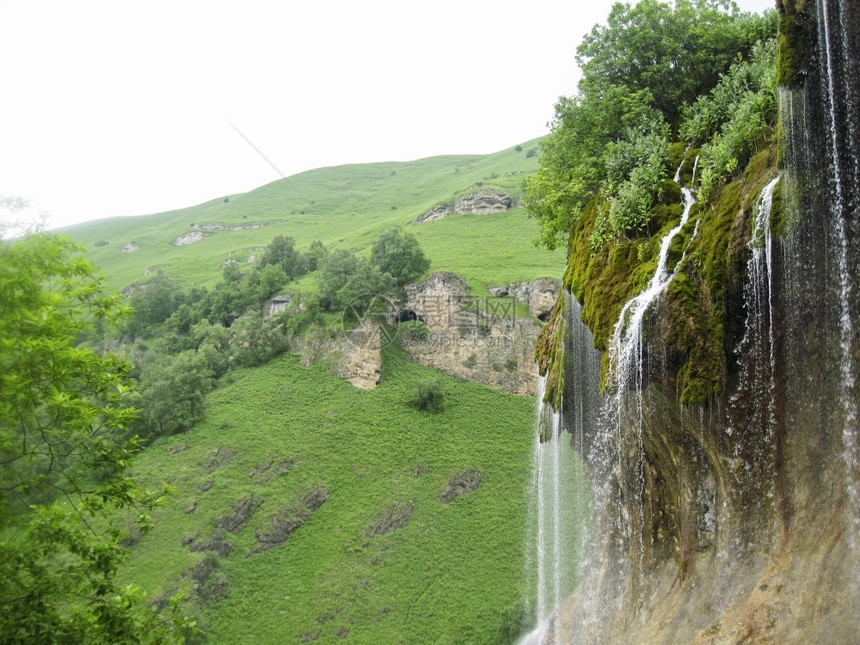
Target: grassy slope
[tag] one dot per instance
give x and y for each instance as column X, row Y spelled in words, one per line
column 454, row 572
column 344, row 205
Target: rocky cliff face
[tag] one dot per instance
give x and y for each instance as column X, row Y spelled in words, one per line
column 736, row 518
column 486, row 339
column 480, row 202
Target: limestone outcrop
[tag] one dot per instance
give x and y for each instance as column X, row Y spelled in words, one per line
column 479, row 338
column 480, row 202
column 539, row 296
column 483, row 202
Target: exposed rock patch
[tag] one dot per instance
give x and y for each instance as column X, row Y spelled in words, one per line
column 460, row 484
column 218, row 458
column 290, row 518
column 483, row 202
column 278, row 304
column 131, row 247
column 217, row 543
column 361, row 362
column 396, row 517
column 539, row 296
column 437, row 212
column 242, row 512
column 209, row 585
column 188, row 238
column 175, row 450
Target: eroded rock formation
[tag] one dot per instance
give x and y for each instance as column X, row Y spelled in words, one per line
column 480, row 338
column 736, row 519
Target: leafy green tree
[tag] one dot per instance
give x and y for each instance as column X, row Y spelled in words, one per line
column 315, row 254
column 334, row 272
column 282, row 252
column 397, row 253
column 272, row 279
column 173, row 391
column 366, row 286
column 638, row 72
column 65, row 455
column 572, row 168
column 676, row 51
column 257, row 341
column 153, row 303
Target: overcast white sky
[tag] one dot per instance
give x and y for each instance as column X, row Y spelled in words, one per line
column 124, row 107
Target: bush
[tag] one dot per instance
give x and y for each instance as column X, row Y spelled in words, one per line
column 429, row 397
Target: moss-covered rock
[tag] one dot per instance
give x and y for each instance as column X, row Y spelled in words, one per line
column 794, row 44
column 704, row 303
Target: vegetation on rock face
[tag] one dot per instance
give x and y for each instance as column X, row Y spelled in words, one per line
column 639, row 71
column 399, row 254
column 606, row 174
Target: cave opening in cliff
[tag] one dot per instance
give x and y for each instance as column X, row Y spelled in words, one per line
column 409, row 315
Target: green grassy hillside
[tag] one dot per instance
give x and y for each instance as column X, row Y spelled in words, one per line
column 374, row 554
column 453, row 573
column 342, row 206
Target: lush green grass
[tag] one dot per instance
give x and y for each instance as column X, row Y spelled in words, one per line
column 344, row 205
column 454, row 573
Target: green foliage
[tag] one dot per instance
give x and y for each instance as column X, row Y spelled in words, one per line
column 675, row 51
column 153, row 303
column 334, row 272
column 736, row 119
column 372, row 451
column 428, row 397
column 365, row 287
column 635, row 166
column 399, row 254
column 316, row 252
column 173, row 389
column 572, row 167
column 282, row 252
column 639, row 69
column 65, row 455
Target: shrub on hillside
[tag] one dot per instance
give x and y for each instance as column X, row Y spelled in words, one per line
column 429, row 397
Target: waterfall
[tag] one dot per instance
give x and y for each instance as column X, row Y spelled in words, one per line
column 546, row 473
column 739, row 517
column 560, row 512
column 626, row 380
column 625, row 349
column 841, row 127
column 823, row 197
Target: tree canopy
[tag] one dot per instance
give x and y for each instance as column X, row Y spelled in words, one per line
column 399, row 254
column 640, row 73
column 64, row 455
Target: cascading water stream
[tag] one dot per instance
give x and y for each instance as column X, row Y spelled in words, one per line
column 561, row 494
column 843, row 191
column 546, row 472
column 625, row 347
column 626, row 374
